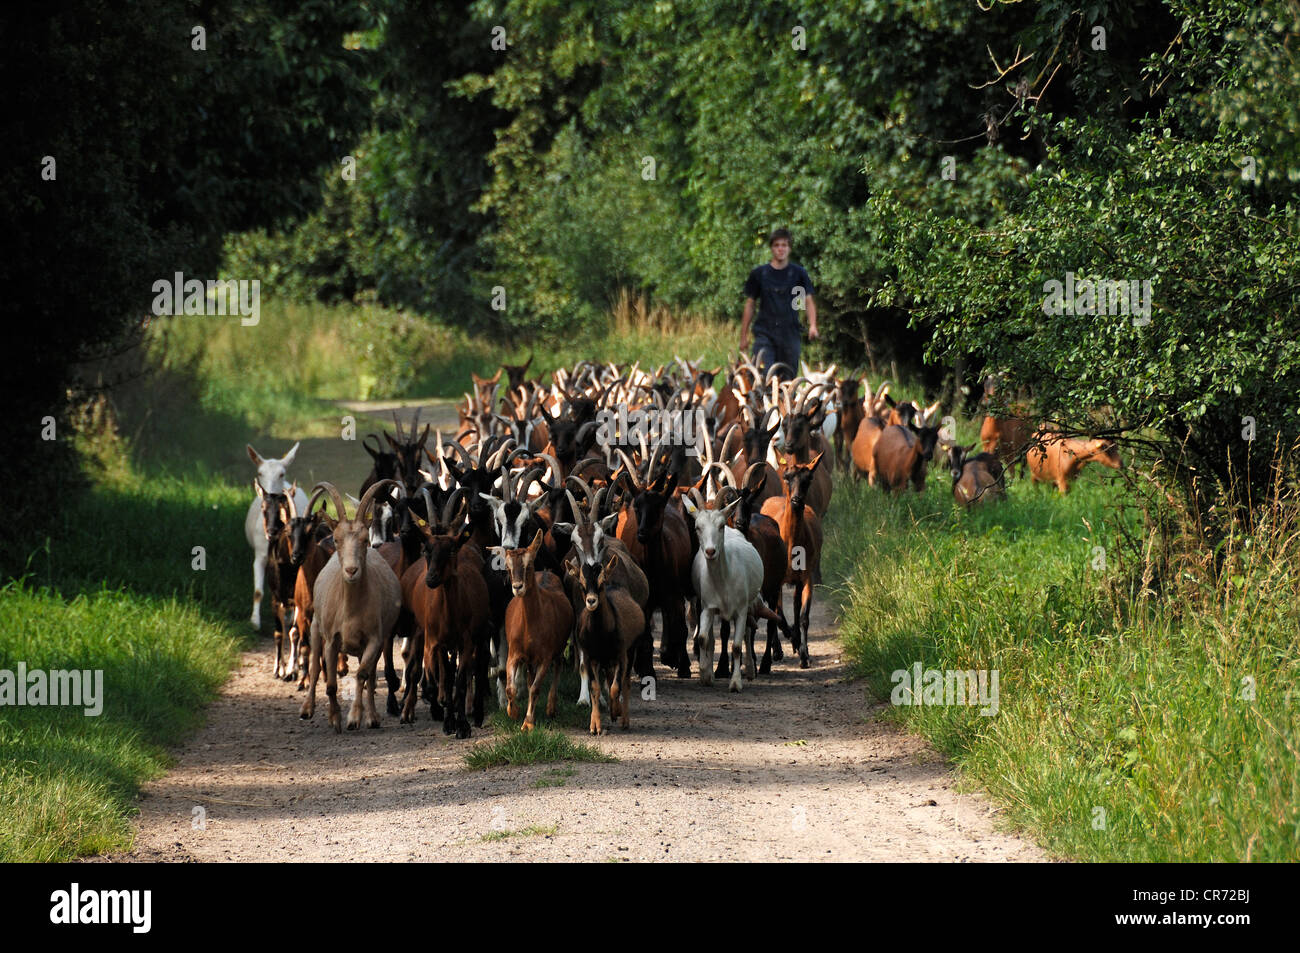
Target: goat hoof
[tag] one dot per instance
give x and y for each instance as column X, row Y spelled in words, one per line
column 777, row 653
column 463, row 731
column 734, row 686
column 803, row 661
column 684, row 670
column 765, row 667
column 393, row 708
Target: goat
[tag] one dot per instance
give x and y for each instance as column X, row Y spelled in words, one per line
column 1056, row 459
column 385, row 463
column 658, row 538
column 270, row 477
column 594, row 544
column 308, row 553
column 765, row 536
column 901, row 454
column 852, row 413
column 538, row 621
column 728, row 576
column 277, row 513
column 803, row 437
column 976, row 479
column 801, row 531
column 1008, row 437
column 450, row 601
column 608, row 625
column 357, row 599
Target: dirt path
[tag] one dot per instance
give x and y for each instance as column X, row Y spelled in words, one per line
column 794, row 768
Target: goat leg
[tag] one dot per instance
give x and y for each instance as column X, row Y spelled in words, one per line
column 413, row 662
column 447, row 691
column 591, row 672
column 804, row 618
column 534, row 689
column 390, row 675
column 480, row 681
column 309, row 703
column 724, row 657
column 463, row 669
column 331, row 651
column 737, row 626
column 707, row 674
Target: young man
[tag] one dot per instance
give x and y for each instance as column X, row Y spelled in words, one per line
column 781, row 288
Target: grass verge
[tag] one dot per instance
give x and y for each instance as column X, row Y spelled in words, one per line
column 1128, row 728
column 115, row 590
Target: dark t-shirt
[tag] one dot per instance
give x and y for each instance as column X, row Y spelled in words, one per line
column 774, row 290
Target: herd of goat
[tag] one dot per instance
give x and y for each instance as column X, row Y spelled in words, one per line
column 562, row 515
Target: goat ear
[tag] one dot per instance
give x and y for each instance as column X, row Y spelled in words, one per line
column 536, row 544
column 690, row 505
column 293, row 452
column 253, row 455
column 609, row 525
column 257, row 488
column 816, row 460
column 564, row 529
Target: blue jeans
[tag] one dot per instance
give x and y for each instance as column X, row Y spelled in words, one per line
column 777, row 347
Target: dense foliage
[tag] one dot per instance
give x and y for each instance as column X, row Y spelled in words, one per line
column 519, row 162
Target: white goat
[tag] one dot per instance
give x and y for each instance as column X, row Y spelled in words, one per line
column 270, row 476
column 728, row 576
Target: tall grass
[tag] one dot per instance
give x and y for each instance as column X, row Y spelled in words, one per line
column 299, row 355
column 1129, row 727
column 115, row 590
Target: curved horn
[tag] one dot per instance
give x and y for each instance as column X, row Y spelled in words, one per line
column 494, row 461
column 364, row 505
column 339, row 508
column 461, row 451
column 555, row 465
column 632, row 473
column 429, row 509
column 749, row 482
column 526, row 480
column 585, row 488
column 449, row 508
column 578, row 518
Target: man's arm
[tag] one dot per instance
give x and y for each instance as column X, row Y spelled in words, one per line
column 744, row 325
column 812, row 318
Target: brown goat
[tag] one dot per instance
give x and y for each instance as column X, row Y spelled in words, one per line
column 863, row 449
column 538, row 620
column 801, row 531
column 1057, row 459
column 608, row 625
column 448, row 596
column 852, row 413
column 901, row 455
column 654, row 531
column 309, row 552
column 975, row 480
